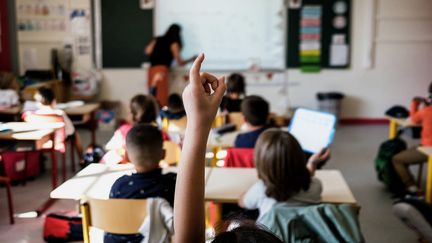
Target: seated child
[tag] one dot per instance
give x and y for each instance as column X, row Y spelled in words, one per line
column 231, row 102
column 9, row 88
column 144, row 110
column 175, row 109
column 46, row 103
column 144, row 144
column 255, row 111
column 284, row 174
column 420, row 113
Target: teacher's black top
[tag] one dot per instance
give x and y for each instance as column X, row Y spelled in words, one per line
column 161, row 54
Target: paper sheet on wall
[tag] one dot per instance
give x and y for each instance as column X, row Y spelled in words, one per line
column 338, row 55
column 30, row 58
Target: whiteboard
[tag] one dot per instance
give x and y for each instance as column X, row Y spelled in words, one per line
column 314, row 130
column 234, row 34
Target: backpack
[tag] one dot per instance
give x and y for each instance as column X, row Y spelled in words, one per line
column 384, row 166
column 314, row 224
column 63, row 227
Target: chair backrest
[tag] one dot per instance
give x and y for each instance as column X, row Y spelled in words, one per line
column 236, row 118
column 172, row 152
column 180, row 123
column 239, row 158
column 117, row 216
column 60, row 134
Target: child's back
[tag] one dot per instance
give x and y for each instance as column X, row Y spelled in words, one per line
column 255, row 111
column 144, row 145
column 284, row 174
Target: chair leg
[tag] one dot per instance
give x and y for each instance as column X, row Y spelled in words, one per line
column 64, row 166
column 419, row 176
column 9, row 198
column 72, row 155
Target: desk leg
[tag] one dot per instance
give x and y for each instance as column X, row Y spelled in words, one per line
column 429, row 181
column 93, row 126
column 54, row 164
column 392, row 129
column 214, row 160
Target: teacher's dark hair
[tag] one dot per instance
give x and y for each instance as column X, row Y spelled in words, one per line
column 172, row 35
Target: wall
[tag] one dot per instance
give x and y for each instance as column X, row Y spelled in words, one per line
column 402, row 66
column 42, row 42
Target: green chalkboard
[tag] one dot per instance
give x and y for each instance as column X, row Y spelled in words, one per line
column 126, row 29
column 327, row 30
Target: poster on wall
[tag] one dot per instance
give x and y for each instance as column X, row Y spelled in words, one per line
column 41, row 15
column 80, row 28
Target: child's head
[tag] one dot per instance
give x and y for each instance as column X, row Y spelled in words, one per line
column 144, row 109
column 236, row 86
column 255, row 110
column 281, row 164
column 175, row 103
column 8, row 81
column 45, row 96
column 245, row 234
column 144, row 145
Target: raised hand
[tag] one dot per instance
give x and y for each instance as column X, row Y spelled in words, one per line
column 203, row 95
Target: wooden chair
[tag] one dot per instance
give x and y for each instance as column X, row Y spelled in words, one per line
column 172, row 152
column 60, row 137
column 6, row 181
column 179, row 123
column 236, row 118
column 117, row 216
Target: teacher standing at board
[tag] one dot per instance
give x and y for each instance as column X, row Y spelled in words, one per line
column 162, row 50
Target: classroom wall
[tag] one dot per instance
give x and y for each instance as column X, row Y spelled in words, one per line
column 402, row 66
column 38, row 44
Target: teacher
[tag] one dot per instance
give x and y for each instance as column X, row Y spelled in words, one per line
column 162, row 50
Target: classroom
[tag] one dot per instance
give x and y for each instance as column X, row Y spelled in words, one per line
column 215, row 121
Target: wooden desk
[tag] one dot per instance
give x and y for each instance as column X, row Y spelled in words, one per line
column 40, row 134
column 399, row 122
column 428, row 151
column 96, row 180
column 224, row 141
column 226, row 185
column 85, row 115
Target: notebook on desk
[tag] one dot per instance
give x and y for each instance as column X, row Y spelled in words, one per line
column 314, row 130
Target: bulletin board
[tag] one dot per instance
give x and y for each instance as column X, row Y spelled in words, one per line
column 331, row 49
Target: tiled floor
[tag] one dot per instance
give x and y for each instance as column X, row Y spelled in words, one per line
column 353, row 152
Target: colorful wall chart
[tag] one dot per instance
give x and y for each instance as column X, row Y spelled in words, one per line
column 310, row 38
column 318, row 34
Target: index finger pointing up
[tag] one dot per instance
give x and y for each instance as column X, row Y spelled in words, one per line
column 194, row 72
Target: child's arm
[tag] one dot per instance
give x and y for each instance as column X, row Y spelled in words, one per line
column 201, row 106
column 416, row 114
column 316, row 159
